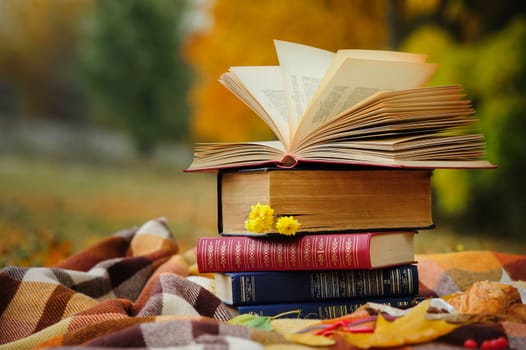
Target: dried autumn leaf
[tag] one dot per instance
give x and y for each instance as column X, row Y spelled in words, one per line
column 252, row 321
column 412, row 328
column 291, row 325
column 310, row 339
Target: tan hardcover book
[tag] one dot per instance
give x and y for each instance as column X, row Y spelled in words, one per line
column 328, row 200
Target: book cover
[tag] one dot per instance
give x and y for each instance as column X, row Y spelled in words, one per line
column 364, row 250
column 241, row 288
column 328, row 199
column 324, row 309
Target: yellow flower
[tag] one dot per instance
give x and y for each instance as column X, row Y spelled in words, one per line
column 260, row 218
column 287, row 225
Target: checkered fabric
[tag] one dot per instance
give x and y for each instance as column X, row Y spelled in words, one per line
column 447, row 273
column 129, row 290
column 133, row 290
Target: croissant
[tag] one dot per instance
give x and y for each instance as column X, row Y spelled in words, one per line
column 486, row 297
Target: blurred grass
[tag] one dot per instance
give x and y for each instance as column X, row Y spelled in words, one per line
column 50, row 209
column 44, row 204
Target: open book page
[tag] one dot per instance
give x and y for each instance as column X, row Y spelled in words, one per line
column 379, row 55
column 417, row 150
column 234, row 154
column 391, row 112
column 303, row 68
column 408, row 143
column 356, row 80
column 382, row 55
column 261, row 88
column 367, row 158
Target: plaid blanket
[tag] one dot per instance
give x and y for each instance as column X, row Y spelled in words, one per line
column 134, row 289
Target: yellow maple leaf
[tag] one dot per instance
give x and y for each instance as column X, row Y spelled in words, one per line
column 411, row 328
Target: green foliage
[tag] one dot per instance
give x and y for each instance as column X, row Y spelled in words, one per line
column 252, row 321
column 133, row 69
column 493, row 73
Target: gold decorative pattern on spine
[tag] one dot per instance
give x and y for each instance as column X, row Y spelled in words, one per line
column 210, row 253
column 348, row 248
column 293, row 256
column 222, row 255
column 266, row 255
column 334, row 252
column 237, row 257
column 320, row 252
column 279, row 256
column 252, row 254
column 307, row 253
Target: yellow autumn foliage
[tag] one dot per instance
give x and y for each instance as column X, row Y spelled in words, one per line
column 242, row 33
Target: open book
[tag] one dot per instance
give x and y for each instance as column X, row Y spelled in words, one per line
column 364, row 107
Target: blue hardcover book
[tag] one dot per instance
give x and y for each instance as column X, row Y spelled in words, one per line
column 324, row 309
column 241, row 288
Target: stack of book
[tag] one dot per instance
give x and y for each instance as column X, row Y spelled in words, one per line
column 358, row 139
column 355, row 244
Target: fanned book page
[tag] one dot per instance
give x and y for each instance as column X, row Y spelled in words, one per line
column 262, row 89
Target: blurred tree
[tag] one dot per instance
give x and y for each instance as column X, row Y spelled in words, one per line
column 243, row 33
column 37, row 48
column 492, row 71
column 134, row 72
column 464, row 20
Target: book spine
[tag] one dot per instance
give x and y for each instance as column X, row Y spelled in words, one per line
column 258, row 287
column 309, row 252
column 324, row 309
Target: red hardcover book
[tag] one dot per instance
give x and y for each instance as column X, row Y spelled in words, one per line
column 365, row 250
